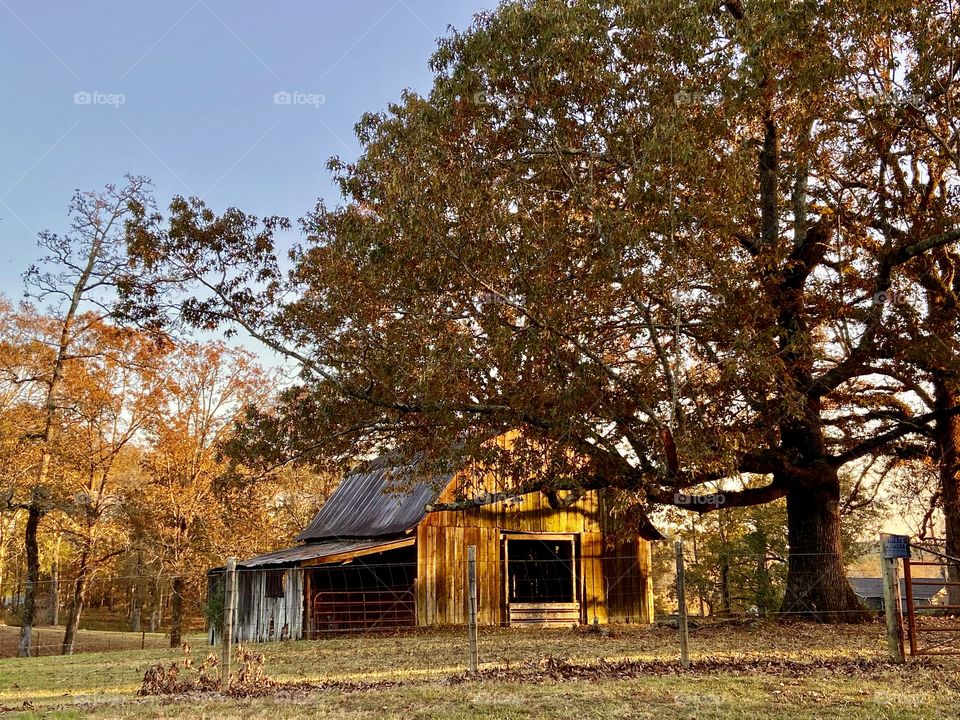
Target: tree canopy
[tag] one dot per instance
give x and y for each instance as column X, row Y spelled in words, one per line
column 674, row 243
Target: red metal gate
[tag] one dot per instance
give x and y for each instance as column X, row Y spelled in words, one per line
column 932, row 628
column 361, row 610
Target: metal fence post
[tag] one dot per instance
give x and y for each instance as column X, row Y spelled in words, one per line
column 229, row 609
column 682, row 607
column 472, row 608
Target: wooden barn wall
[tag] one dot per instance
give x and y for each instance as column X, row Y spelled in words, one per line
column 255, row 611
column 443, row 538
column 627, row 578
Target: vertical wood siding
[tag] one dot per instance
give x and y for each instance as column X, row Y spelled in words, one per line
column 262, row 619
column 614, row 582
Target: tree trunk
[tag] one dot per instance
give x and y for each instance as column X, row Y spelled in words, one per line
column 724, row 583
column 5, row 532
column 55, row 586
column 176, row 612
column 135, row 616
column 763, row 591
column 34, row 513
column 136, row 597
column 156, row 620
column 76, row 607
column 817, row 586
column 696, row 563
column 947, row 434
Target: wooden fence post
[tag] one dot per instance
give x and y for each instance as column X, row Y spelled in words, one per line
column 472, row 608
column 892, row 603
column 682, row 607
column 229, row 609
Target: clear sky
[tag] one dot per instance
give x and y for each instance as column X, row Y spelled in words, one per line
column 186, row 93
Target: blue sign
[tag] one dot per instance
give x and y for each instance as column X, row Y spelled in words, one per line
column 896, row 546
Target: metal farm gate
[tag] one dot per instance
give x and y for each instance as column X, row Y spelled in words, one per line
column 933, row 628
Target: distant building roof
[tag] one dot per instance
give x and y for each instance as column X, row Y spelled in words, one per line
column 379, row 500
column 868, row 587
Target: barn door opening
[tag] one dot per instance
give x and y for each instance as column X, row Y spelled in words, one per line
column 372, row 592
column 541, row 579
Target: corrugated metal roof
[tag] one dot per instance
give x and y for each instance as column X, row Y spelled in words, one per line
column 377, row 501
column 868, row 587
column 316, row 551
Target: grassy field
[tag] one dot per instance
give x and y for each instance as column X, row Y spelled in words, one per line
column 48, row 640
column 755, row 671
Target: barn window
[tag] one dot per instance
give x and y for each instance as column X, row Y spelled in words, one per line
column 274, row 580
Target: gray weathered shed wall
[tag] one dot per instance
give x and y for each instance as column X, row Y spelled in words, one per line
column 261, row 619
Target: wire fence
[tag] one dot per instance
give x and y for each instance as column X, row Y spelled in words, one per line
column 529, row 582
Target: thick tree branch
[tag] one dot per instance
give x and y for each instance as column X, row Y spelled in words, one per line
column 702, row 503
column 915, row 425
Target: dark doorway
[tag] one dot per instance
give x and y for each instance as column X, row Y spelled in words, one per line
column 540, row 571
column 541, row 580
column 367, row 593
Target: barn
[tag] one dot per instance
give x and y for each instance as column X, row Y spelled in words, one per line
column 375, row 557
column 870, row 592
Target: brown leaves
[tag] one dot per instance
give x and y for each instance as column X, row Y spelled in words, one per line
column 553, row 668
column 182, row 677
column 250, row 675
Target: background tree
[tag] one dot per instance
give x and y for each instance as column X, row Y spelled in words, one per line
column 80, row 271
column 183, row 513
column 736, row 560
column 921, row 339
column 17, row 416
column 109, row 398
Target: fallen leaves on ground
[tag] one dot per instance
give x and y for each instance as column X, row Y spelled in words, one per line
column 549, row 667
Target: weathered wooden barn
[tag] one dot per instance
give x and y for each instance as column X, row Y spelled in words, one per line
column 374, row 557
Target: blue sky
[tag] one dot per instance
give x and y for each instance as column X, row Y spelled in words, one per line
column 184, row 91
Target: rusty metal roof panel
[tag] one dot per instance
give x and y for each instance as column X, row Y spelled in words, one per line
column 380, row 500
column 315, row 551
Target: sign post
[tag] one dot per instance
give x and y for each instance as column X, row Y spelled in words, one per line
column 892, row 548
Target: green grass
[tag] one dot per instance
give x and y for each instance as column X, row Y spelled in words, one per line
column 48, row 640
column 104, row 685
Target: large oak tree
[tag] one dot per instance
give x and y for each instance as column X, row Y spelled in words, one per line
column 659, row 238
